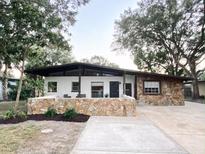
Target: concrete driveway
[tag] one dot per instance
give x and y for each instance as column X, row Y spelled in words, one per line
column 155, row 130
column 124, row 135
column 184, row 124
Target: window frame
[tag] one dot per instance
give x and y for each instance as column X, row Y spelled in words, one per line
column 72, row 90
column 102, row 91
column 160, row 89
column 56, row 87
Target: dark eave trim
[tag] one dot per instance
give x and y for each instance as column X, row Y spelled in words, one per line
column 42, row 71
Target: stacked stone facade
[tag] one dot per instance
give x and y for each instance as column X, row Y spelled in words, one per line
column 171, row 91
column 96, row 107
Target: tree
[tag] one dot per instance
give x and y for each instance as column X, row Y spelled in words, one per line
column 5, row 45
column 165, row 35
column 49, row 56
column 31, row 87
column 42, row 57
column 99, row 60
column 35, row 24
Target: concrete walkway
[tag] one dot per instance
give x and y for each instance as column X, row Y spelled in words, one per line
column 124, row 135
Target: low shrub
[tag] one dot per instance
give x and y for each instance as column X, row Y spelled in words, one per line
column 70, row 113
column 10, row 114
column 22, row 115
column 51, row 112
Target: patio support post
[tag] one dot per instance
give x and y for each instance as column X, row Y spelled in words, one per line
column 79, row 80
column 135, row 87
column 124, row 73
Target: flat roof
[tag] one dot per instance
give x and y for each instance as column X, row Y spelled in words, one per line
column 44, row 71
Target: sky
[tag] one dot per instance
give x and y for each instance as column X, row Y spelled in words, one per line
column 92, row 34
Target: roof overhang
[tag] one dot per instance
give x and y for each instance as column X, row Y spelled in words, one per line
column 47, row 71
column 157, row 75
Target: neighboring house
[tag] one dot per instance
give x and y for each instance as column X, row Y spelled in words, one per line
column 11, row 82
column 188, row 88
column 94, row 81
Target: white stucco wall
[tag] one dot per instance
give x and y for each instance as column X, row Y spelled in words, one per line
column 64, row 84
column 202, row 88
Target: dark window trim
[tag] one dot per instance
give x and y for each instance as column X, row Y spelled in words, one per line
column 160, row 87
column 72, row 90
column 91, row 88
column 56, row 87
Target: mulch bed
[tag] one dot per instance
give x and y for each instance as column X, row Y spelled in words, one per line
column 41, row 117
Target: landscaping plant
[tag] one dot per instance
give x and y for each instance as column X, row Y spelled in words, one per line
column 10, row 114
column 51, row 112
column 22, row 115
column 70, row 113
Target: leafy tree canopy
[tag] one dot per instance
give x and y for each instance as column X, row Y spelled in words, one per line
column 99, row 60
column 49, row 56
column 27, row 25
column 165, row 35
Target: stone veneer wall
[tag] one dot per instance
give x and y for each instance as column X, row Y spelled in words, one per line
column 96, row 107
column 171, row 92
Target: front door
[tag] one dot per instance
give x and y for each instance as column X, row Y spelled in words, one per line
column 114, row 89
column 128, row 89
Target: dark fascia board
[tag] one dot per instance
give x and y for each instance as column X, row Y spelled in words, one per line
column 199, row 81
column 184, row 78
column 42, row 70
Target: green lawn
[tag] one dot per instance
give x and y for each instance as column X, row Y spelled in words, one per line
column 12, row 137
column 4, row 106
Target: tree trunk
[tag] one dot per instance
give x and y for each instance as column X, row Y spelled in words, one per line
column 195, row 85
column 5, row 83
column 19, row 86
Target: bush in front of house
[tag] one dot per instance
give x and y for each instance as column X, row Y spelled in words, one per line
column 11, row 114
column 70, row 113
column 22, row 115
column 51, row 112
column 26, row 92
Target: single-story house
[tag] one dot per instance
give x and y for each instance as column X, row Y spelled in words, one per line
column 188, row 88
column 95, row 81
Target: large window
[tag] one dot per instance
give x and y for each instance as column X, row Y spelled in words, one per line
column 75, row 86
column 152, row 87
column 97, row 89
column 52, row 86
